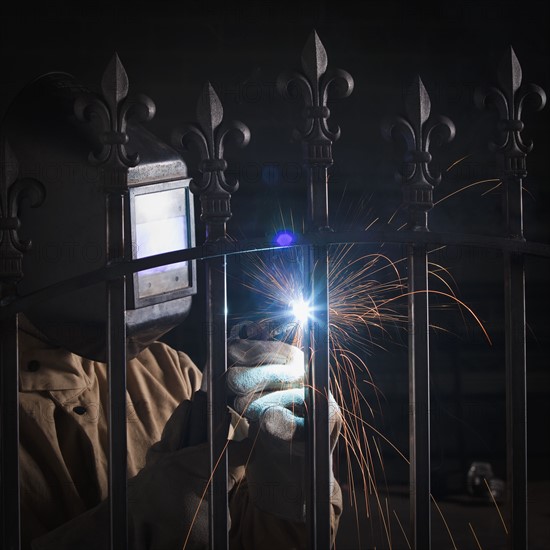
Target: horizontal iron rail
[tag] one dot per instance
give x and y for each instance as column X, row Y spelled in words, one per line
column 121, row 268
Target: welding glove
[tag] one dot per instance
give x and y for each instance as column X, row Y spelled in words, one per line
column 266, row 379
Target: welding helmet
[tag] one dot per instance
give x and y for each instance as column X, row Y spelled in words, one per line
column 68, row 231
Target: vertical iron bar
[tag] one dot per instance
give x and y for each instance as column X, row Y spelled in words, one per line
column 418, row 180
column 511, row 154
column 216, row 289
column 317, row 139
column 316, row 395
column 516, row 366
column 516, row 398
column 9, row 434
column 318, row 368
column 215, row 195
column 116, row 361
column 110, row 111
column 12, row 250
column 309, row 471
column 419, row 398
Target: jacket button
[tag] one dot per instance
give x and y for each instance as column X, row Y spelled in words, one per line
column 33, row 366
column 80, row 410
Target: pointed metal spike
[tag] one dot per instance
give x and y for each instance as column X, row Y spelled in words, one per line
column 8, row 164
column 114, row 83
column 418, row 103
column 209, row 109
column 314, row 58
column 509, row 72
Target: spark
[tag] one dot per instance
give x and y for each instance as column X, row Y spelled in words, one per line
column 458, row 162
column 367, row 305
column 402, row 530
column 479, row 182
column 203, row 496
column 367, row 309
column 492, row 188
column 496, row 506
column 300, row 310
column 444, row 522
column 361, row 317
column 475, row 537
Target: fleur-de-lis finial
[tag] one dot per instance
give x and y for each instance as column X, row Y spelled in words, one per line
column 314, row 60
column 209, row 136
column 317, row 138
column 109, row 114
column 509, row 100
column 417, row 178
column 12, row 191
column 314, row 85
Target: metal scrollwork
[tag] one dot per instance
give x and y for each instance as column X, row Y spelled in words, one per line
column 509, row 101
column 209, row 136
column 314, row 85
column 417, row 178
column 12, row 192
column 109, row 115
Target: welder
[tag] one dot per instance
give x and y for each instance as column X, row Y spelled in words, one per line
column 63, row 375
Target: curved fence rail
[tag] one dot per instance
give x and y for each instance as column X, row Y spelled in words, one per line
column 417, row 129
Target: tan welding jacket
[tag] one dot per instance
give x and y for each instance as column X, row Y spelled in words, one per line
column 63, row 458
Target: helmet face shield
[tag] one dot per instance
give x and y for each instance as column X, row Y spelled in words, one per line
column 69, row 230
column 161, row 222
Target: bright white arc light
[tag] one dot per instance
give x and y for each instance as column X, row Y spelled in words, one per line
column 300, row 310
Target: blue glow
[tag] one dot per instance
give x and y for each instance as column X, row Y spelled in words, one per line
column 285, row 238
column 300, row 310
column 271, row 174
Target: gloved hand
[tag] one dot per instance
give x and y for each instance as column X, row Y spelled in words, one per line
column 267, row 381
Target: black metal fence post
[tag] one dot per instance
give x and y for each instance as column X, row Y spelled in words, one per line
column 9, row 434
column 511, row 154
column 417, row 184
column 116, row 361
column 12, row 249
column 109, row 114
column 317, row 140
column 215, row 195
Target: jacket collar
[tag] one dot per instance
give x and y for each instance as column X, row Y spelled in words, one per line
column 43, row 367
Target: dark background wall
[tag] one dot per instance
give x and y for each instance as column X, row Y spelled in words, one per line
column 169, row 51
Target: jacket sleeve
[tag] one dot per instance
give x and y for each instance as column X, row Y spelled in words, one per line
column 253, row 528
column 166, row 507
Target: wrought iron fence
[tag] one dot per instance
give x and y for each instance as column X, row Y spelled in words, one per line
column 315, row 83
